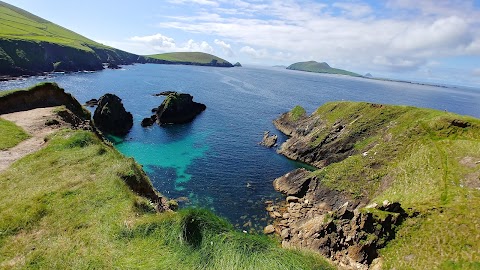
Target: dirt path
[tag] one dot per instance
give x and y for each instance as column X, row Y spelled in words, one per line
column 33, row 122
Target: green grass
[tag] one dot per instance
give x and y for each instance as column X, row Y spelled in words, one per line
column 296, row 113
column 312, row 66
column 419, row 158
column 11, row 134
column 18, row 24
column 193, row 57
column 67, row 207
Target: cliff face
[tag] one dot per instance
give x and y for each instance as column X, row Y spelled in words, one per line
column 21, row 57
column 368, row 156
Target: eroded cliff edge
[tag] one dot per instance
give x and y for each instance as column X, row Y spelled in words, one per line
column 381, row 171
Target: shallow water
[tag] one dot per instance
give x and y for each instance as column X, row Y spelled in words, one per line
column 215, row 161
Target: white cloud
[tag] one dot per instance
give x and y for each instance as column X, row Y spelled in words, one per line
column 253, row 53
column 161, row 43
column 226, row 48
column 476, row 72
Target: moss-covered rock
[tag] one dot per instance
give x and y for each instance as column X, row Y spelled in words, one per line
column 178, row 108
column 111, row 117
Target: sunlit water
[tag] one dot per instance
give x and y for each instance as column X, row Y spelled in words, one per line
column 215, row 161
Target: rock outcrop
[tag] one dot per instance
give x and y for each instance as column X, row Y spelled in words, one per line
column 268, row 140
column 111, row 117
column 40, row 96
column 178, row 108
column 237, row 64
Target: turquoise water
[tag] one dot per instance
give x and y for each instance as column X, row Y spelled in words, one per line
column 215, row 161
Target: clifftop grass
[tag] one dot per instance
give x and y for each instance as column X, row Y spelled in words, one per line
column 19, row 24
column 68, row 207
column 427, row 160
column 11, row 134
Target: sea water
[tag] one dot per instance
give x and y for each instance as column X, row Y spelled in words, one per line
column 215, row 161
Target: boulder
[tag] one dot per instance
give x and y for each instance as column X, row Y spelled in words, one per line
column 92, row 102
column 178, row 108
column 268, row 140
column 111, row 117
column 146, row 122
column 269, row 229
column 294, row 183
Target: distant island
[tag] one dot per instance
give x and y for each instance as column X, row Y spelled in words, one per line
column 191, row 58
column 313, row 66
column 237, row 64
column 30, row 45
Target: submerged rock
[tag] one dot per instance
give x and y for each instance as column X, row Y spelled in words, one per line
column 146, row 122
column 268, row 140
column 178, row 108
column 111, row 117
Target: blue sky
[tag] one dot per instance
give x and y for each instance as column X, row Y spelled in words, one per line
column 422, row 40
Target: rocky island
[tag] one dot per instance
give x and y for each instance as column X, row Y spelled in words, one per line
column 382, row 172
column 111, row 117
column 177, row 108
column 313, row 66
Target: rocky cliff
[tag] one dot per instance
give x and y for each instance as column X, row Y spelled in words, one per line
column 368, row 156
column 178, row 108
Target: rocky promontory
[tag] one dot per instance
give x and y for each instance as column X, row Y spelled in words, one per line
column 379, row 170
column 111, row 117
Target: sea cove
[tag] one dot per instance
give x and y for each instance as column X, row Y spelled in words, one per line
column 215, row 161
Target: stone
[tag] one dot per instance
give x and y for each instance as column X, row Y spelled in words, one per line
column 292, row 199
column 164, row 93
column 146, row 122
column 285, row 234
column 111, row 117
column 92, row 102
column 268, row 140
column 269, row 229
column 277, row 214
column 294, row 183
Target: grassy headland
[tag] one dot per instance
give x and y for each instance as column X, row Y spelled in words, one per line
column 427, row 160
column 312, row 66
column 192, row 58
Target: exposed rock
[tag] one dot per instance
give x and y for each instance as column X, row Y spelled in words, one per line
column 164, row 93
column 268, row 140
column 113, row 65
column 292, row 199
column 178, row 108
column 111, row 117
column 92, row 102
column 146, row 122
column 269, row 229
column 294, row 183
column 237, row 64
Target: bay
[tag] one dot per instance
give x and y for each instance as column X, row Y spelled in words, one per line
column 215, row 162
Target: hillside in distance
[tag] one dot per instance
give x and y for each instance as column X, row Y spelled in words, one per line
column 313, row 66
column 31, row 45
column 192, row 58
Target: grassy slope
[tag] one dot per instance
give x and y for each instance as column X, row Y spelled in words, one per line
column 11, row 134
column 312, row 66
column 417, row 157
column 66, row 207
column 193, row 57
column 19, row 24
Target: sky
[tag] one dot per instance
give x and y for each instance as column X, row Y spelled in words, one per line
column 435, row 41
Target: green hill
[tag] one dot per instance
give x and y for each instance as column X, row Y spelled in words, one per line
column 192, row 58
column 312, row 66
column 427, row 160
column 31, row 45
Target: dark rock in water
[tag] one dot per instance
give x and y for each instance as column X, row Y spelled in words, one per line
column 111, row 117
column 92, row 102
column 178, row 108
column 113, row 65
column 268, row 141
column 154, row 110
column 237, row 64
column 368, row 75
column 164, row 93
column 146, row 122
